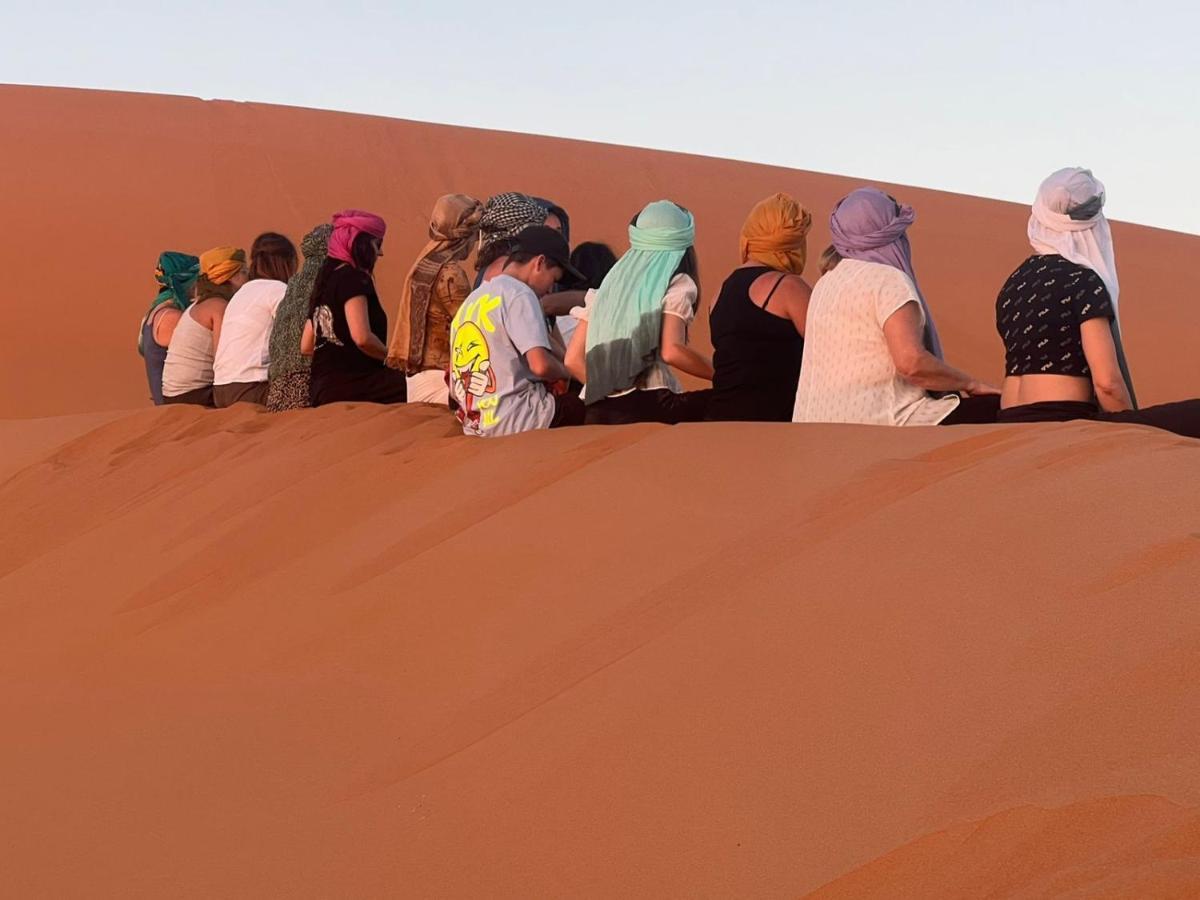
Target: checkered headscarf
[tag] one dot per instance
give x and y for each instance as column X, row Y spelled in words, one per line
column 507, row 215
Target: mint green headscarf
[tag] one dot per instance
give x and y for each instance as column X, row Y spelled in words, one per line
column 625, row 322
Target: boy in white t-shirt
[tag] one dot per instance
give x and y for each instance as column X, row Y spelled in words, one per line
column 504, row 379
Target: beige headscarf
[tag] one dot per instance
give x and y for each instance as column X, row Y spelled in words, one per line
column 453, row 228
column 775, row 234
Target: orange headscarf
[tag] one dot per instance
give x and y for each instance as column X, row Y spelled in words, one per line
column 775, row 234
column 220, row 264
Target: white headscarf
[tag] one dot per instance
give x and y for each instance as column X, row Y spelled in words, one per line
column 1068, row 219
column 1084, row 238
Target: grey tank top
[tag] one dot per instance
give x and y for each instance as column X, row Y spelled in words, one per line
column 155, row 355
column 189, row 363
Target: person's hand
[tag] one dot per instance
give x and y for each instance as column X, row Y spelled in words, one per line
column 980, row 389
column 478, row 382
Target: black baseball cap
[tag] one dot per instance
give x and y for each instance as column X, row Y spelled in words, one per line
column 540, row 240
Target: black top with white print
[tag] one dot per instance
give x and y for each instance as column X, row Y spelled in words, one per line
column 1039, row 311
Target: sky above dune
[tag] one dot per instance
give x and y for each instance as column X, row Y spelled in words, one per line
column 977, row 98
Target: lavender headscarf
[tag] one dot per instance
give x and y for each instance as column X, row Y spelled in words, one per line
column 869, row 225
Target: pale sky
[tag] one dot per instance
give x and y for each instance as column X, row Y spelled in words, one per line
column 976, row 97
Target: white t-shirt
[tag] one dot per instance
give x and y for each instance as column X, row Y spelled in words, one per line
column 848, row 374
column 491, row 336
column 243, row 353
column 678, row 301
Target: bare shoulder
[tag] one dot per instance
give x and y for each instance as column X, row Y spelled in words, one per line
column 207, row 311
column 795, row 285
column 793, row 290
column 167, row 313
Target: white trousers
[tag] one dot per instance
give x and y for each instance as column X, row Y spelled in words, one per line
column 428, row 387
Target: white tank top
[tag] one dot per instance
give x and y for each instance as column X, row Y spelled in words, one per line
column 189, row 364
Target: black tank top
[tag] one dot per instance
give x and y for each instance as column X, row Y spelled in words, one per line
column 757, row 354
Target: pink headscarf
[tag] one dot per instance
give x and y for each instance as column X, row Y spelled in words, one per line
column 349, row 224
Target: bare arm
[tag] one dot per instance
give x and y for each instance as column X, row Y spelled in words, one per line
column 218, row 316
column 905, row 341
column 1101, row 354
column 359, row 321
column 308, row 339
column 576, row 358
column 545, row 365
column 562, row 302
column 165, row 321
column 794, row 295
column 675, row 351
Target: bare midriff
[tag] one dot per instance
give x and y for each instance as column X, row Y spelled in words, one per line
column 1019, row 390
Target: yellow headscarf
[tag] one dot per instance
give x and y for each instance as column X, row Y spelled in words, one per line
column 220, row 264
column 775, row 234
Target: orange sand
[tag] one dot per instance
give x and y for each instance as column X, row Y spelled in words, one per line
column 347, row 652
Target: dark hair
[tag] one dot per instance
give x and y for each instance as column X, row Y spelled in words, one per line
column 520, row 257
column 273, row 256
column 205, row 289
column 690, row 266
column 493, row 252
column 594, row 260
column 363, row 251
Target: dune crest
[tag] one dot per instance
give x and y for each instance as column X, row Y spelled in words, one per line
column 1112, row 847
column 101, row 182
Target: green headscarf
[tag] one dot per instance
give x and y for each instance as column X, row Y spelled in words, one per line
column 176, row 273
column 625, row 323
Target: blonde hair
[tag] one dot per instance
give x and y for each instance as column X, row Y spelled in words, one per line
column 829, row 260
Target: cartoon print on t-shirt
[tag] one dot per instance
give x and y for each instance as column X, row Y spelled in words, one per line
column 471, row 375
column 322, row 319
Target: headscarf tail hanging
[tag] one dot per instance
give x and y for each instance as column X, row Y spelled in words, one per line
column 1068, row 220
column 871, row 226
column 625, row 325
column 453, row 227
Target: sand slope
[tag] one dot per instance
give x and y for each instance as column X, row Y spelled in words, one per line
column 95, row 184
column 346, row 652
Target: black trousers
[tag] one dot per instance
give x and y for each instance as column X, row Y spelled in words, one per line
column 1181, row 417
column 568, row 411
column 198, row 397
column 974, row 411
column 660, row 405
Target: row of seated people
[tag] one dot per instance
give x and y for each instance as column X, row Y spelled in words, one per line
column 542, row 337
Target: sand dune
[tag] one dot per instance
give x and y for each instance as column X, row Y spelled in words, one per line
column 347, row 652
column 1131, row 847
column 97, row 183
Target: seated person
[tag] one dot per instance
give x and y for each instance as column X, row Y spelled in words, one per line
column 176, row 275
column 347, row 327
column 635, row 327
column 1057, row 315
column 243, row 354
column 188, row 370
column 435, row 288
column 871, row 354
column 503, row 377
column 289, row 368
column 757, row 323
